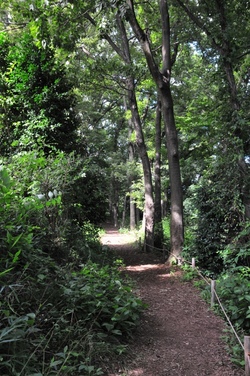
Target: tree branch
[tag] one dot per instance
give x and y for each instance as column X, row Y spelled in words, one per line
column 201, row 25
column 105, row 36
column 143, row 39
column 166, row 59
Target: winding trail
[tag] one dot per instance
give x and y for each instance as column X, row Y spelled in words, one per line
column 178, row 335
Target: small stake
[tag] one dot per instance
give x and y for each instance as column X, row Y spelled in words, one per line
column 164, row 253
column 193, row 262
column 247, row 355
column 213, row 285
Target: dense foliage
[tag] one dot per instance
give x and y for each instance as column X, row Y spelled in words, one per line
column 37, row 102
column 60, row 311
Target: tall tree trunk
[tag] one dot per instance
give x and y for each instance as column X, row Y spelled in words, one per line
column 124, row 52
column 176, row 225
column 132, row 208
column 124, row 212
column 158, row 232
column 137, row 124
column 115, row 200
column 162, row 80
column 148, row 185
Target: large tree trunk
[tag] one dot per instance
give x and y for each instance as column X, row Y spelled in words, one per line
column 132, row 207
column 158, row 230
column 137, row 125
column 176, row 228
column 124, row 52
column 148, row 185
column 162, row 80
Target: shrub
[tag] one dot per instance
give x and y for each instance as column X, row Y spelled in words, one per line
column 60, row 322
column 234, row 290
column 55, row 317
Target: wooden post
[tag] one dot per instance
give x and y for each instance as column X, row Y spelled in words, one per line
column 213, row 285
column 164, row 253
column 193, row 262
column 139, row 244
column 247, row 355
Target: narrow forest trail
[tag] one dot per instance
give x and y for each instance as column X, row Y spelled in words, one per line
column 178, row 335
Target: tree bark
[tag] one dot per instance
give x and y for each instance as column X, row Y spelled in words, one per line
column 124, row 52
column 176, row 196
column 137, row 124
column 162, row 80
column 132, row 208
column 158, row 232
column 148, row 185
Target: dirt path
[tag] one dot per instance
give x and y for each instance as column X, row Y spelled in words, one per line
column 179, row 335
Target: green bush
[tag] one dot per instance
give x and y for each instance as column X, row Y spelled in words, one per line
column 38, row 204
column 60, row 312
column 56, row 322
column 166, row 232
column 234, row 290
column 237, row 253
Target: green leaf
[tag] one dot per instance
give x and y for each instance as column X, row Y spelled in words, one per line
column 16, row 256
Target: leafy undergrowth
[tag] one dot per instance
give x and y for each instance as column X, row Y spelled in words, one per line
column 54, row 322
column 65, row 309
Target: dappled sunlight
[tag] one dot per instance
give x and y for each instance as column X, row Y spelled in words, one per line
column 175, row 274
column 114, row 238
column 134, row 372
column 142, row 268
column 159, row 270
column 116, row 242
column 167, row 275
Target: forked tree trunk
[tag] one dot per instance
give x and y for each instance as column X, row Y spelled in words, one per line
column 137, row 125
column 162, row 80
column 124, row 52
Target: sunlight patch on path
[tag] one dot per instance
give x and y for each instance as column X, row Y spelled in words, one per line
column 134, row 372
column 115, row 238
column 142, row 268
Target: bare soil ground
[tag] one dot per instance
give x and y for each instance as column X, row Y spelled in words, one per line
column 178, row 335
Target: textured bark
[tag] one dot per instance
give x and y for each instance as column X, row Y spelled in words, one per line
column 174, row 173
column 157, row 175
column 162, row 80
column 177, row 227
column 124, row 52
column 132, row 208
column 137, row 125
column 148, row 185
